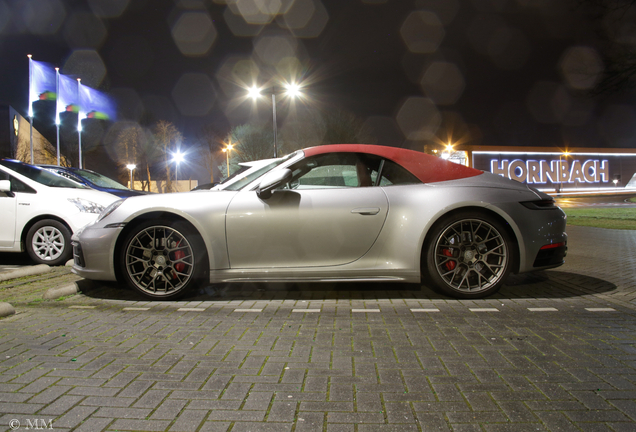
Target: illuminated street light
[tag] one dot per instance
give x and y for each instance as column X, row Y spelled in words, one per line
column 292, row 90
column 177, row 158
column 131, row 167
column 226, row 150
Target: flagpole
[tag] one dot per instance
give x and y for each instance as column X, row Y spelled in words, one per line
column 79, row 121
column 31, row 103
column 57, row 111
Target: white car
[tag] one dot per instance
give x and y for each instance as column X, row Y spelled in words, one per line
column 40, row 211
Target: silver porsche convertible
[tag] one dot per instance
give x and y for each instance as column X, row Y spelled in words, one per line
column 330, row 213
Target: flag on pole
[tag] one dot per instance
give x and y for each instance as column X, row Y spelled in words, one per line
column 42, row 83
column 95, row 104
column 68, row 100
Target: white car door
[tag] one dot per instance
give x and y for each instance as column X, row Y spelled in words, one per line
column 8, row 206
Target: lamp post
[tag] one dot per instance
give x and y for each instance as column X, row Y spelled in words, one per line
column 292, row 90
column 131, row 167
column 226, row 150
column 177, row 158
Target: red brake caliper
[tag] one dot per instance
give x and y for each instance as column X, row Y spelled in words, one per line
column 450, row 265
column 180, row 267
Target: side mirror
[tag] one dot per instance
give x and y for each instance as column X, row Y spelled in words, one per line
column 271, row 181
column 5, row 185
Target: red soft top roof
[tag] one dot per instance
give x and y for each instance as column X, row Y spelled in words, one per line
column 427, row 168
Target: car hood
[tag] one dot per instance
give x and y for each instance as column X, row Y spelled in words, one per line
column 99, row 197
column 181, row 201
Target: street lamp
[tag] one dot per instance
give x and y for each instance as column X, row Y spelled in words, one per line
column 292, row 90
column 177, row 158
column 131, row 167
column 226, row 150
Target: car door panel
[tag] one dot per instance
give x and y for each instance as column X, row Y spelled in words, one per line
column 304, row 228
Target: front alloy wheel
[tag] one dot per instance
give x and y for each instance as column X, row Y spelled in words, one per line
column 469, row 257
column 49, row 242
column 159, row 260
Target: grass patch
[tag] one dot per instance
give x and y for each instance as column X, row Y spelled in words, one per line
column 612, row 218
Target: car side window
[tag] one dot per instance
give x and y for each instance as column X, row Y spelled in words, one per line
column 335, row 170
column 392, row 175
column 19, row 186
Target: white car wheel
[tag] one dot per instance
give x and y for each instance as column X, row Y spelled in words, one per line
column 49, row 242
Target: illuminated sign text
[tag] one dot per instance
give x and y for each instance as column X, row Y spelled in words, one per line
column 555, row 171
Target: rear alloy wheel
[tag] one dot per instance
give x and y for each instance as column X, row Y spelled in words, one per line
column 469, row 256
column 49, row 242
column 159, row 259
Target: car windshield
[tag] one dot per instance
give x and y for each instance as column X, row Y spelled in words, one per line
column 40, row 175
column 249, row 177
column 99, row 179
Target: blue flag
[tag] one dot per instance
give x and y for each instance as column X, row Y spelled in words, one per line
column 68, row 100
column 95, row 104
column 41, row 83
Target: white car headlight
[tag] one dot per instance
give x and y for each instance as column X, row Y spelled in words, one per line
column 86, row 206
column 111, row 208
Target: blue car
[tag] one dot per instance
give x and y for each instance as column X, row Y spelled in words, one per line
column 93, row 180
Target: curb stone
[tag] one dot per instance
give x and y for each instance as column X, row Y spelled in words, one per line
column 26, row 271
column 6, row 309
column 66, row 290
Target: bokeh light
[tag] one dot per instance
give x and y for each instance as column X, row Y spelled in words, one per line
column 42, row 17
column 443, row 82
column 305, row 18
column 238, row 26
column 84, row 30
column 108, row 8
column 581, row 67
column 418, row 118
column 194, row 94
column 507, row 47
column 194, row 33
column 87, row 65
column 422, row 31
column 273, row 49
column 237, row 72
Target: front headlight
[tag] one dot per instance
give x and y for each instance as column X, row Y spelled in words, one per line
column 111, row 208
column 86, row 206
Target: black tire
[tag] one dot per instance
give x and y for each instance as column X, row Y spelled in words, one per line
column 162, row 259
column 49, row 242
column 468, row 255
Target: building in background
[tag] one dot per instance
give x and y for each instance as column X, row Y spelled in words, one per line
column 15, row 139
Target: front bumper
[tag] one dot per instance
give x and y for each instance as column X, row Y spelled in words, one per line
column 93, row 253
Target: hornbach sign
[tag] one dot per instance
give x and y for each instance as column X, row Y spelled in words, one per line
column 560, row 170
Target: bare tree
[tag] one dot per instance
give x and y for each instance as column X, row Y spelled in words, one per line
column 210, row 145
column 168, row 139
column 614, row 21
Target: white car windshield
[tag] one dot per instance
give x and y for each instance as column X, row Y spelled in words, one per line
column 40, row 175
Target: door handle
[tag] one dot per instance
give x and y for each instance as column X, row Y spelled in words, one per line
column 369, row 211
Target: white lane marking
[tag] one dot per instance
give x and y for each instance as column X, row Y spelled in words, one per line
column 185, row 309
column 543, row 309
column 248, row 310
column 136, row 309
column 82, row 307
column 365, row 310
column 306, row 310
column 600, row 309
column 483, row 310
column 424, row 310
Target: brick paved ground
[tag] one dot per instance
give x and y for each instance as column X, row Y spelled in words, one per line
column 553, row 351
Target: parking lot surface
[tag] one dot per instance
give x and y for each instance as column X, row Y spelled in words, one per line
column 553, row 351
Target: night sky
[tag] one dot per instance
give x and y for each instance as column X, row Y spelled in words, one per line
column 481, row 72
